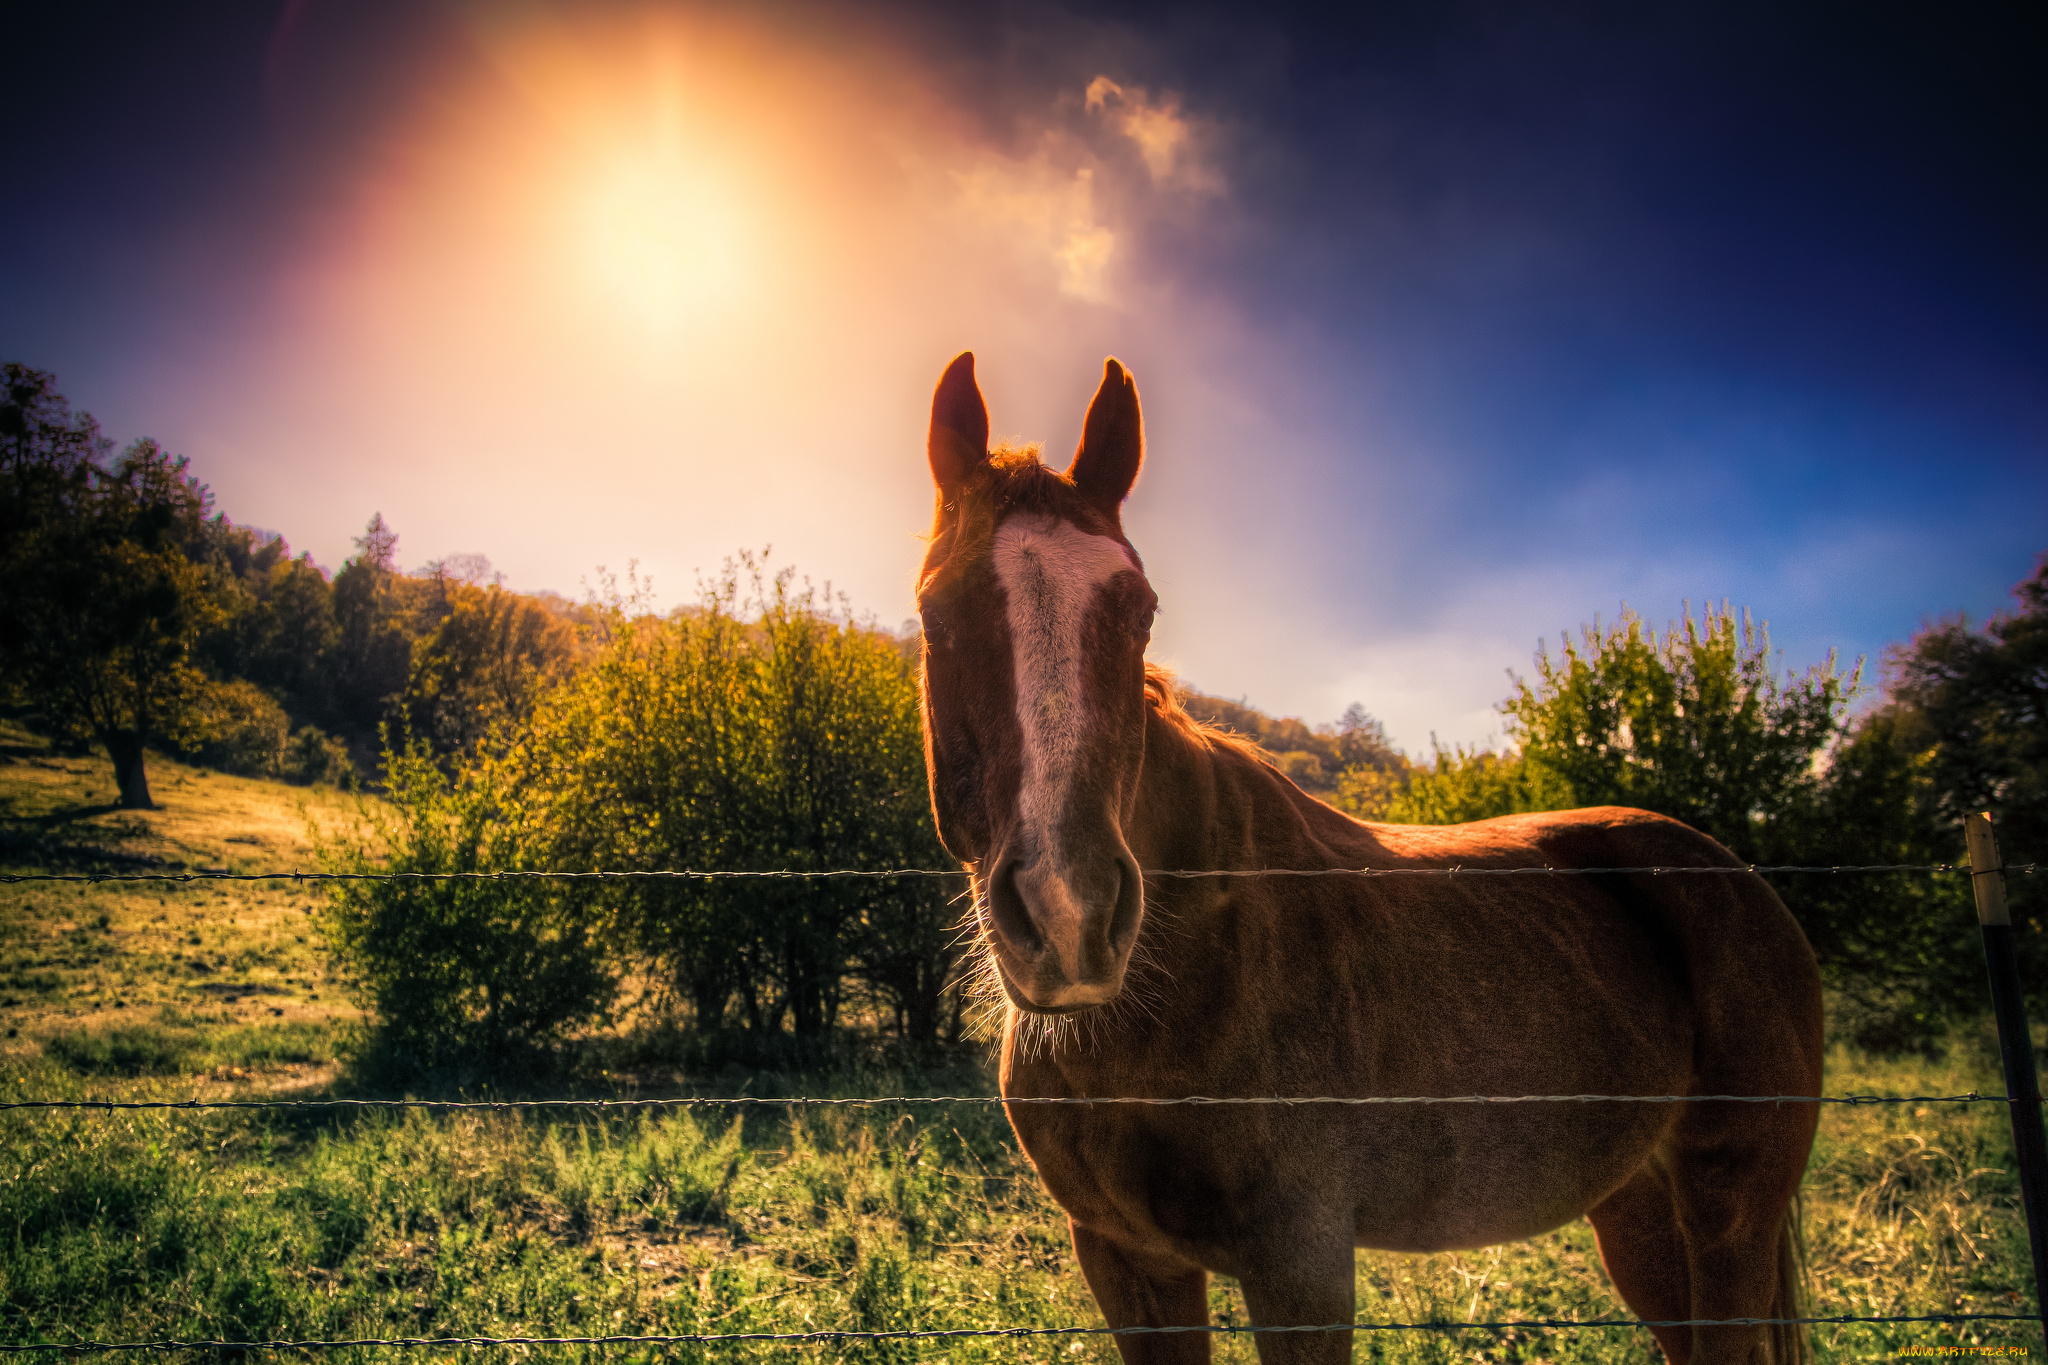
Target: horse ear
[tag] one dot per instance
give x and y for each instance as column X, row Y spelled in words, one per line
column 1112, row 442
column 959, row 439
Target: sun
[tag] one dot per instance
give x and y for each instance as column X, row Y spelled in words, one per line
column 664, row 239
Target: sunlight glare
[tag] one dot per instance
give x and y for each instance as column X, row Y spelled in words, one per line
column 663, row 239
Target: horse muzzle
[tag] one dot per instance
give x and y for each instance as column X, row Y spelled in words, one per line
column 1062, row 931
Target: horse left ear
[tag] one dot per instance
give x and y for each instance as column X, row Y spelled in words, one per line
column 1112, row 443
column 959, row 437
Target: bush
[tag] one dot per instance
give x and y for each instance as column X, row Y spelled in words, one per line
column 460, row 972
column 756, row 732
column 312, row 757
column 245, row 730
column 761, row 730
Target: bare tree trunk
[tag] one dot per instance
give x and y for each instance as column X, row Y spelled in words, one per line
column 125, row 748
column 708, row 995
column 924, row 1004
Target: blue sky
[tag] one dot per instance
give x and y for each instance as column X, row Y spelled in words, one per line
column 1456, row 324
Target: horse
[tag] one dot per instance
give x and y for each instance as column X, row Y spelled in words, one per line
column 1063, row 769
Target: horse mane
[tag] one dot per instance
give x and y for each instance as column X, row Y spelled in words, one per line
column 1162, row 694
column 1023, row 482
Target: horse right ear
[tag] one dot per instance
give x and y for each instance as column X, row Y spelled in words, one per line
column 959, row 439
column 1112, row 442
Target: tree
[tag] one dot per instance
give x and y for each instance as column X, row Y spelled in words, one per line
column 284, row 636
column 756, row 732
column 484, row 665
column 366, row 667
column 1899, row 950
column 1973, row 704
column 43, row 445
column 1696, row 725
column 104, row 604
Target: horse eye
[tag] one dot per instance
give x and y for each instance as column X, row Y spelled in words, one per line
column 1145, row 621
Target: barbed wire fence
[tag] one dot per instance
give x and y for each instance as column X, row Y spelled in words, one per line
column 2023, row 1101
column 221, row 874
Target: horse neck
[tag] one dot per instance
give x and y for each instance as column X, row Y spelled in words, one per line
column 1202, row 807
column 1208, row 806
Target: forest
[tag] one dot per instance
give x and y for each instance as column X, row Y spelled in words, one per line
column 764, row 726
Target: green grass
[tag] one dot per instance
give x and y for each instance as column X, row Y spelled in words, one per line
column 181, row 1044
column 132, row 1225
column 136, row 1225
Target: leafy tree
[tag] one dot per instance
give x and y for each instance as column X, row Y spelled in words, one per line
column 282, row 630
column 368, row 662
column 1900, row 951
column 1973, row 704
column 756, row 732
column 1696, row 724
column 104, row 604
column 485, row 664
column 46, row 451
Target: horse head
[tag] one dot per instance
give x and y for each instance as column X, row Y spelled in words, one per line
column 1036, row 616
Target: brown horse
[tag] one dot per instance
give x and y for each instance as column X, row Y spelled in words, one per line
column 1061, row 766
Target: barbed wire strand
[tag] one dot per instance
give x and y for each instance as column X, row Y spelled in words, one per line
column 832, row 1335
column 878, row 1102
column 849, row 873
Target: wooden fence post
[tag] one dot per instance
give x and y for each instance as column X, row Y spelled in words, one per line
column 2015, row 1043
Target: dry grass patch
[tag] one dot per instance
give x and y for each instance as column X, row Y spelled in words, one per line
column 108, row 958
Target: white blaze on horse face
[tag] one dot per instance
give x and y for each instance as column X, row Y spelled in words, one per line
column 1051, row 571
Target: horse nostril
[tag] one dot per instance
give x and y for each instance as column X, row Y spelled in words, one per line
column 1011, row 919
column 1130, row 905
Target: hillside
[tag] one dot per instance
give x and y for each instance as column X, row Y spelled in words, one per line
column 1313, row 757
column 155, row 961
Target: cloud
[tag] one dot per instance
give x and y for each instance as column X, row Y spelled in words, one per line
column 1164, row 136
column 1048, row 210
column 1074, row 200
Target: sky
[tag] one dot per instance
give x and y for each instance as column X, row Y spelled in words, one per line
column 1456, row 325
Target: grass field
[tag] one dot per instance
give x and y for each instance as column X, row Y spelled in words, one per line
column 274, row 1224
column 122, row 976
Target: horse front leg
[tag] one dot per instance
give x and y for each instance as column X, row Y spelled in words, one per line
column 1305, row 1280
column 1135, row 1292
